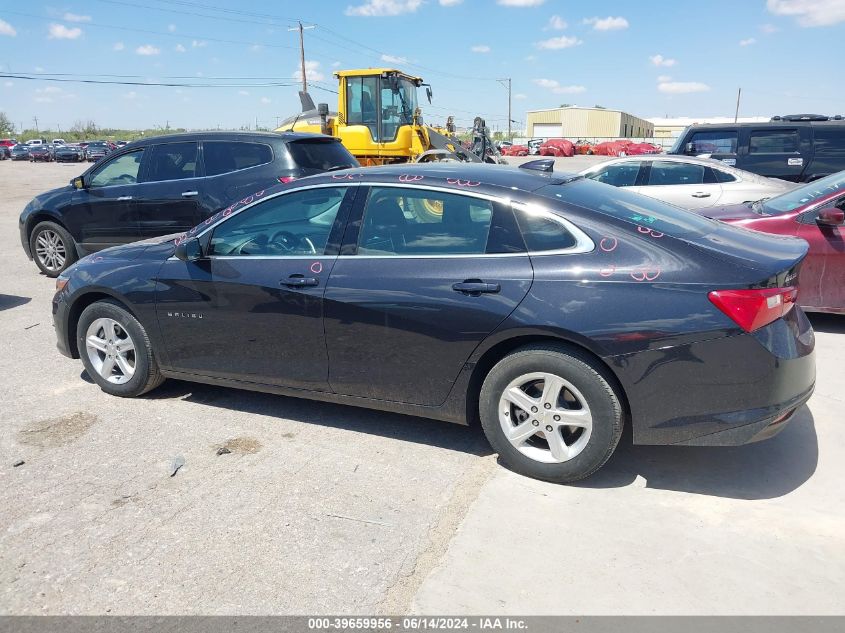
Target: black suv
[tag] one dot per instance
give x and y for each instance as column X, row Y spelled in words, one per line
column 162, row 185
column 798, row 147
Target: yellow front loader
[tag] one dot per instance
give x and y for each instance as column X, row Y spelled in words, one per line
column 378, row 119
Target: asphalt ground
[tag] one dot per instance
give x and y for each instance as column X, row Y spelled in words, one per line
column 321, row 508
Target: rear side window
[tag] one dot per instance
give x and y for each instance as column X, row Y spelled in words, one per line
column 620, row 175
column 829, row 139
column 717, row 175
column 721, row 142
column 406, row 222
column 631, row 207
column 172, row 161
column 542, row 231
column 773, row 142
column 321, row 155
column 222, row 157
column 672, row 173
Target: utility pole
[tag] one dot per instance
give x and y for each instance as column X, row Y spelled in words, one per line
column 738, row 95
column 507, row 84
column 301, row 28
column 35, row 118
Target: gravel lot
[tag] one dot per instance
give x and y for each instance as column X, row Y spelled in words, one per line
column 325, row 509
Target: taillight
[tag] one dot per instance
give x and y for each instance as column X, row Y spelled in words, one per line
column 286, row 179
column 752, row 309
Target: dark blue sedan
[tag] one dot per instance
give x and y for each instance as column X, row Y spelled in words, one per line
column 551, row 309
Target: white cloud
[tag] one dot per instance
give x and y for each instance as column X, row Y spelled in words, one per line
column 450, row 3
column 610, row 23
column 245, row 93
column 75, row 17
column 198, row 43
column 519, row 96
column 747, row 42
column 266, row 100
column 556, row 43
column 61, row 32
column 682, row 87
column 768, row 29
column 118, row 46
column 556, row 23
column 7, row 29
column 810, row 12
column 555, row 87
column 481, row 48
column 147, row 49
column 520, row 3
column 312, row 71
column 659, row 60
column 393, row 59
column 171, row 27
column 662, row 79
column 180, row 49
column 378, row 8
column 43, row 100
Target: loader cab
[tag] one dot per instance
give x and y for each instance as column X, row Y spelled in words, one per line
column 377, row 109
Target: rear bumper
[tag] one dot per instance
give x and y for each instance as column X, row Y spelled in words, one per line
column 724, row 391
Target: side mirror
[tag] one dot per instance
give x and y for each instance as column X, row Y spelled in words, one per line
column 78, row 182
column 689, row 149
column 188, row 250
column 831, row 216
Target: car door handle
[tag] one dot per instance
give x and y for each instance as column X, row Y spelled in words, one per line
column 298, row 281
column 124, row 198
column 469, row 286
column 701, row 194
column 188, row 194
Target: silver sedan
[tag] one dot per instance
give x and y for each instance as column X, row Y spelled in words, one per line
column 687, row 181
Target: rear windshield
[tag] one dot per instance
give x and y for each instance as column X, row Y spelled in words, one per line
column 631, row 207
column 321, row 155
column 804, row 195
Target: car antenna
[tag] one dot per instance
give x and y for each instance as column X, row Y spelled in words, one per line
column 546, row 165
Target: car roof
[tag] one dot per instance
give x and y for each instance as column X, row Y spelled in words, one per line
column 765, row 124
column 223, row 136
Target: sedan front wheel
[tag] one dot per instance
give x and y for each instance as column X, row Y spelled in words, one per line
column 52, row 248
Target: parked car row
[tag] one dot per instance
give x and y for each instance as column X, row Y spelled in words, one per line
column 39, row 150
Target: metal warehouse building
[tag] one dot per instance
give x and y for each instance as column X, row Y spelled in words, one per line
column 574, row 122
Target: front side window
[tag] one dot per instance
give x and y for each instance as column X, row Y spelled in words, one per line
column 722, row 142
column 773, row 142
column 122, row 170
column 222, row 157
column 172, row 161
column 619, row 175
column 298, row 223
column 420, row 222
column 398, row 102
column 672, row 173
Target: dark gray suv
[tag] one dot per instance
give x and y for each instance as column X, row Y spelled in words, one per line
column 166, row 184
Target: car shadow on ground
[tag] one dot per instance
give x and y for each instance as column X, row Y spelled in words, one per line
column 7, row 302
column 763, row 470
column 828, row 323
column 454, row 437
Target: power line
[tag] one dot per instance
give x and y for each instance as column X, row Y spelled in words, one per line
column 146, row 83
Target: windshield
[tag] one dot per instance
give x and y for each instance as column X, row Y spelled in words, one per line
column 803, row 196
column 676, row 146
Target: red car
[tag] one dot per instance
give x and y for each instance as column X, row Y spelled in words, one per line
column 816, row 213
column 514, row 150
column 611, row 148
column 557, row 147
column 638, row 149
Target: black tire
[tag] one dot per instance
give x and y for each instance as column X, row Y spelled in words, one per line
column 146, row 375
column 44, row 264
column 582, row 373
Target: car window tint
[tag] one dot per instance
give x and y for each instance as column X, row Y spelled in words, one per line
column 829, row 139
column 172, row 161
column 719, row 175
column 122, row 170
column 298, row 223
column 722, row 142
column 805, row 194
column 773, row 142
column 675, row 173
column 221, row 157
column 543, row 231
column 321, row 155
column 420, row 222
column 620, row 175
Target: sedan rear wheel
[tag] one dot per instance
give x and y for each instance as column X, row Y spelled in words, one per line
column 551, row 413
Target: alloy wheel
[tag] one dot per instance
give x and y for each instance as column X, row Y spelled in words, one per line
column 111, row 350
column 50, row 250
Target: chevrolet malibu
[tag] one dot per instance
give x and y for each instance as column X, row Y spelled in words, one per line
column 551, row 309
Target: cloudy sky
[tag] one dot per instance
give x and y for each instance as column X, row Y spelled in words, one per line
column 654, row 58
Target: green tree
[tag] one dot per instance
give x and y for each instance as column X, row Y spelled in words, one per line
column 7, row 128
